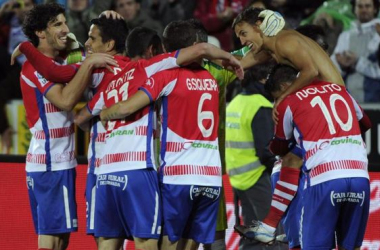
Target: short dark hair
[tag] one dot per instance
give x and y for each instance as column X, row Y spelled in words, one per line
column 179, row 34
column 376, row 4
column 280, row 74
column 201, row 33
column 112, row 29
column 249, row 15
column 139, row 40
column 315, row 33
column 38, row 18
column 257, row 73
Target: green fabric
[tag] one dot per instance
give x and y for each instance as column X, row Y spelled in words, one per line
column 240, row 52
column 240, row 113
column 339, row 10
column 223, row 77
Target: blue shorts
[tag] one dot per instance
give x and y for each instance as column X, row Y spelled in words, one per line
column 338, row 206
column 128, row 205
column 190, row 212
column 90, row 202
column 52, row 201
column 292, row 216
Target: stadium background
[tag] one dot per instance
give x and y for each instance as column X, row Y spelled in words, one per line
column 16, row 227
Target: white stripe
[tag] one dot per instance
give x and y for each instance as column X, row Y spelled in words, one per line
column 27, row 81
column 279, row 206
column 283, row 195
column 92, row 208
column 168, row 88
column 67, row 208
column 155, row 215
column 288, row 185
column 167, row 63
column 301, row 227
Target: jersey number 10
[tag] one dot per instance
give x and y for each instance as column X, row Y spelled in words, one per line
column 333, row 98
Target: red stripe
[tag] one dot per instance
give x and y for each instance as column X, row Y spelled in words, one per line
column 50, row 108
column 174, row 146
column 36, row 158
column 141, row 130
column 55, row 133
column 284, row 189
column 128, row 156
column 337, row 165
column 101, row 137
column 192, row 170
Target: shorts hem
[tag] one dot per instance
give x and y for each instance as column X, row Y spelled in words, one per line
column 48, row 232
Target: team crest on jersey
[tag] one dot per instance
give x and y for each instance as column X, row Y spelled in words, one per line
column 41, row 79
column 150, row 82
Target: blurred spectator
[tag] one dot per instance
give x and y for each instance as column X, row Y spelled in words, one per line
column 135, row 16
column 12, row 15
column 217, row 17
column 79, row 13
column 167, row 11
column 354, row 50
column 294, row 10
column 333, row 16
column 262, row 4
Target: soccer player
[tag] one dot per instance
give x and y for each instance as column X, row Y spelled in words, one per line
column 107, row 36
column 291, row 218
column 323, row 119
column 290, row 48
column 287, row 47
column 131, row 160
column 190, row 172
column 50, row 162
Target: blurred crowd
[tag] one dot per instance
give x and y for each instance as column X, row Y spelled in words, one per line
column 351, row 30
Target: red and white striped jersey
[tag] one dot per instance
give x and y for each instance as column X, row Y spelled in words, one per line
column 52, row 145
column 100, row 80
column 189, row 117
column 323, row 119
column 129, row 142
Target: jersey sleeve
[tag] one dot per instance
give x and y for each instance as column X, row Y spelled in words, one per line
column 160, row 63
column 160, row 84
column 46, row 66
column 284, row 127
column 96, row 104
column 364, row 121
column 34, row 79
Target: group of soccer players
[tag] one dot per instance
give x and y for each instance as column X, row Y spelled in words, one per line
column 126, row 197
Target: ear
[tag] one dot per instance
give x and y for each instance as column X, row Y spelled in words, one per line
column 149, row 53
column 110, row 45
column 40, row 34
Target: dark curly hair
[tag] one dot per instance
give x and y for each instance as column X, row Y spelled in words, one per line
column 38, row 18
column 112, row 29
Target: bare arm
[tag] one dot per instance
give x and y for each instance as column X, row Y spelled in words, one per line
column 211, row 52
column 67, row 96
column 82, row 118
column 251, row 59
column 125, row 108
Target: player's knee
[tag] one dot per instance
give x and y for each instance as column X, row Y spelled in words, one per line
column 292, row 161
column 146, row 244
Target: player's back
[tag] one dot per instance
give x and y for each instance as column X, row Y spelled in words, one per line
column 326, row 69
column 326, row 126
column 189, row 118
